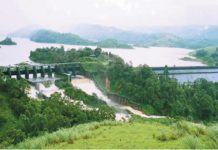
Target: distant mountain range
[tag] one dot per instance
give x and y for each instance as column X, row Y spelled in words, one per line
column 184, row 36
column 186, row 32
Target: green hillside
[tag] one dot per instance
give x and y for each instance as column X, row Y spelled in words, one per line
column 137, row 134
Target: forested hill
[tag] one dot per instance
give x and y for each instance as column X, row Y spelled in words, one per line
column 46, row 36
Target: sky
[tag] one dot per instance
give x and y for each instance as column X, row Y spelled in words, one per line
column 60, row 14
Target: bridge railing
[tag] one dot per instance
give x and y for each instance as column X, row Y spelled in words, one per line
column 39, row 65
column 185, row 70
column 185, row 67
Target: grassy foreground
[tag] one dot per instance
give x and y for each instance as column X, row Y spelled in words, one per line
column 136, row 134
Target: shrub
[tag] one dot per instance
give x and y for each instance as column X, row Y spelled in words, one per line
column 169, row 135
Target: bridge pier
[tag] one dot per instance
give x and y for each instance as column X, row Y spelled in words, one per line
column 56, row 68
column 42, row 72
column 77, row 70
column 73, row 72
column 34, row 72
column 18, row 73
column 49, row 72
column 26, row 73
column 9, row 72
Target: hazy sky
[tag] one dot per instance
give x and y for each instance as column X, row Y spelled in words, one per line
column 57, row 14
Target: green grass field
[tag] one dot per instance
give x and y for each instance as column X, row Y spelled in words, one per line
column 134, row 134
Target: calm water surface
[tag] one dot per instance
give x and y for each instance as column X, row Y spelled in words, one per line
column 154, row 56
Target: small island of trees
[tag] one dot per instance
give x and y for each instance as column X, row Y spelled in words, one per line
column 7, row 41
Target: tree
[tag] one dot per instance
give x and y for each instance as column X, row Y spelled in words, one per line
column 201, row 53
column 203, row 106
column 97, row 52
column 166, row 72
column 13, row 136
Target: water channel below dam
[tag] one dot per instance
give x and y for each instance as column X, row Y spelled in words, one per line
column 122, row 112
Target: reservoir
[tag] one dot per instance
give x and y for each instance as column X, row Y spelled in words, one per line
column 154, row 56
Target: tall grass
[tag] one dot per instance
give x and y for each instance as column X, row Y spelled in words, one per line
column 181, row 129
column 213, row 136
column 193, row 135
column 191, row 142
column 191, row 128
column 83, row 131
column 169, row 135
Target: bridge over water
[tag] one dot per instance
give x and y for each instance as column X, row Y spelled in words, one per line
column 190, row 74
column 45, row 71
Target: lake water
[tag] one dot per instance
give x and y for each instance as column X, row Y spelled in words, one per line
column 154, row 56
